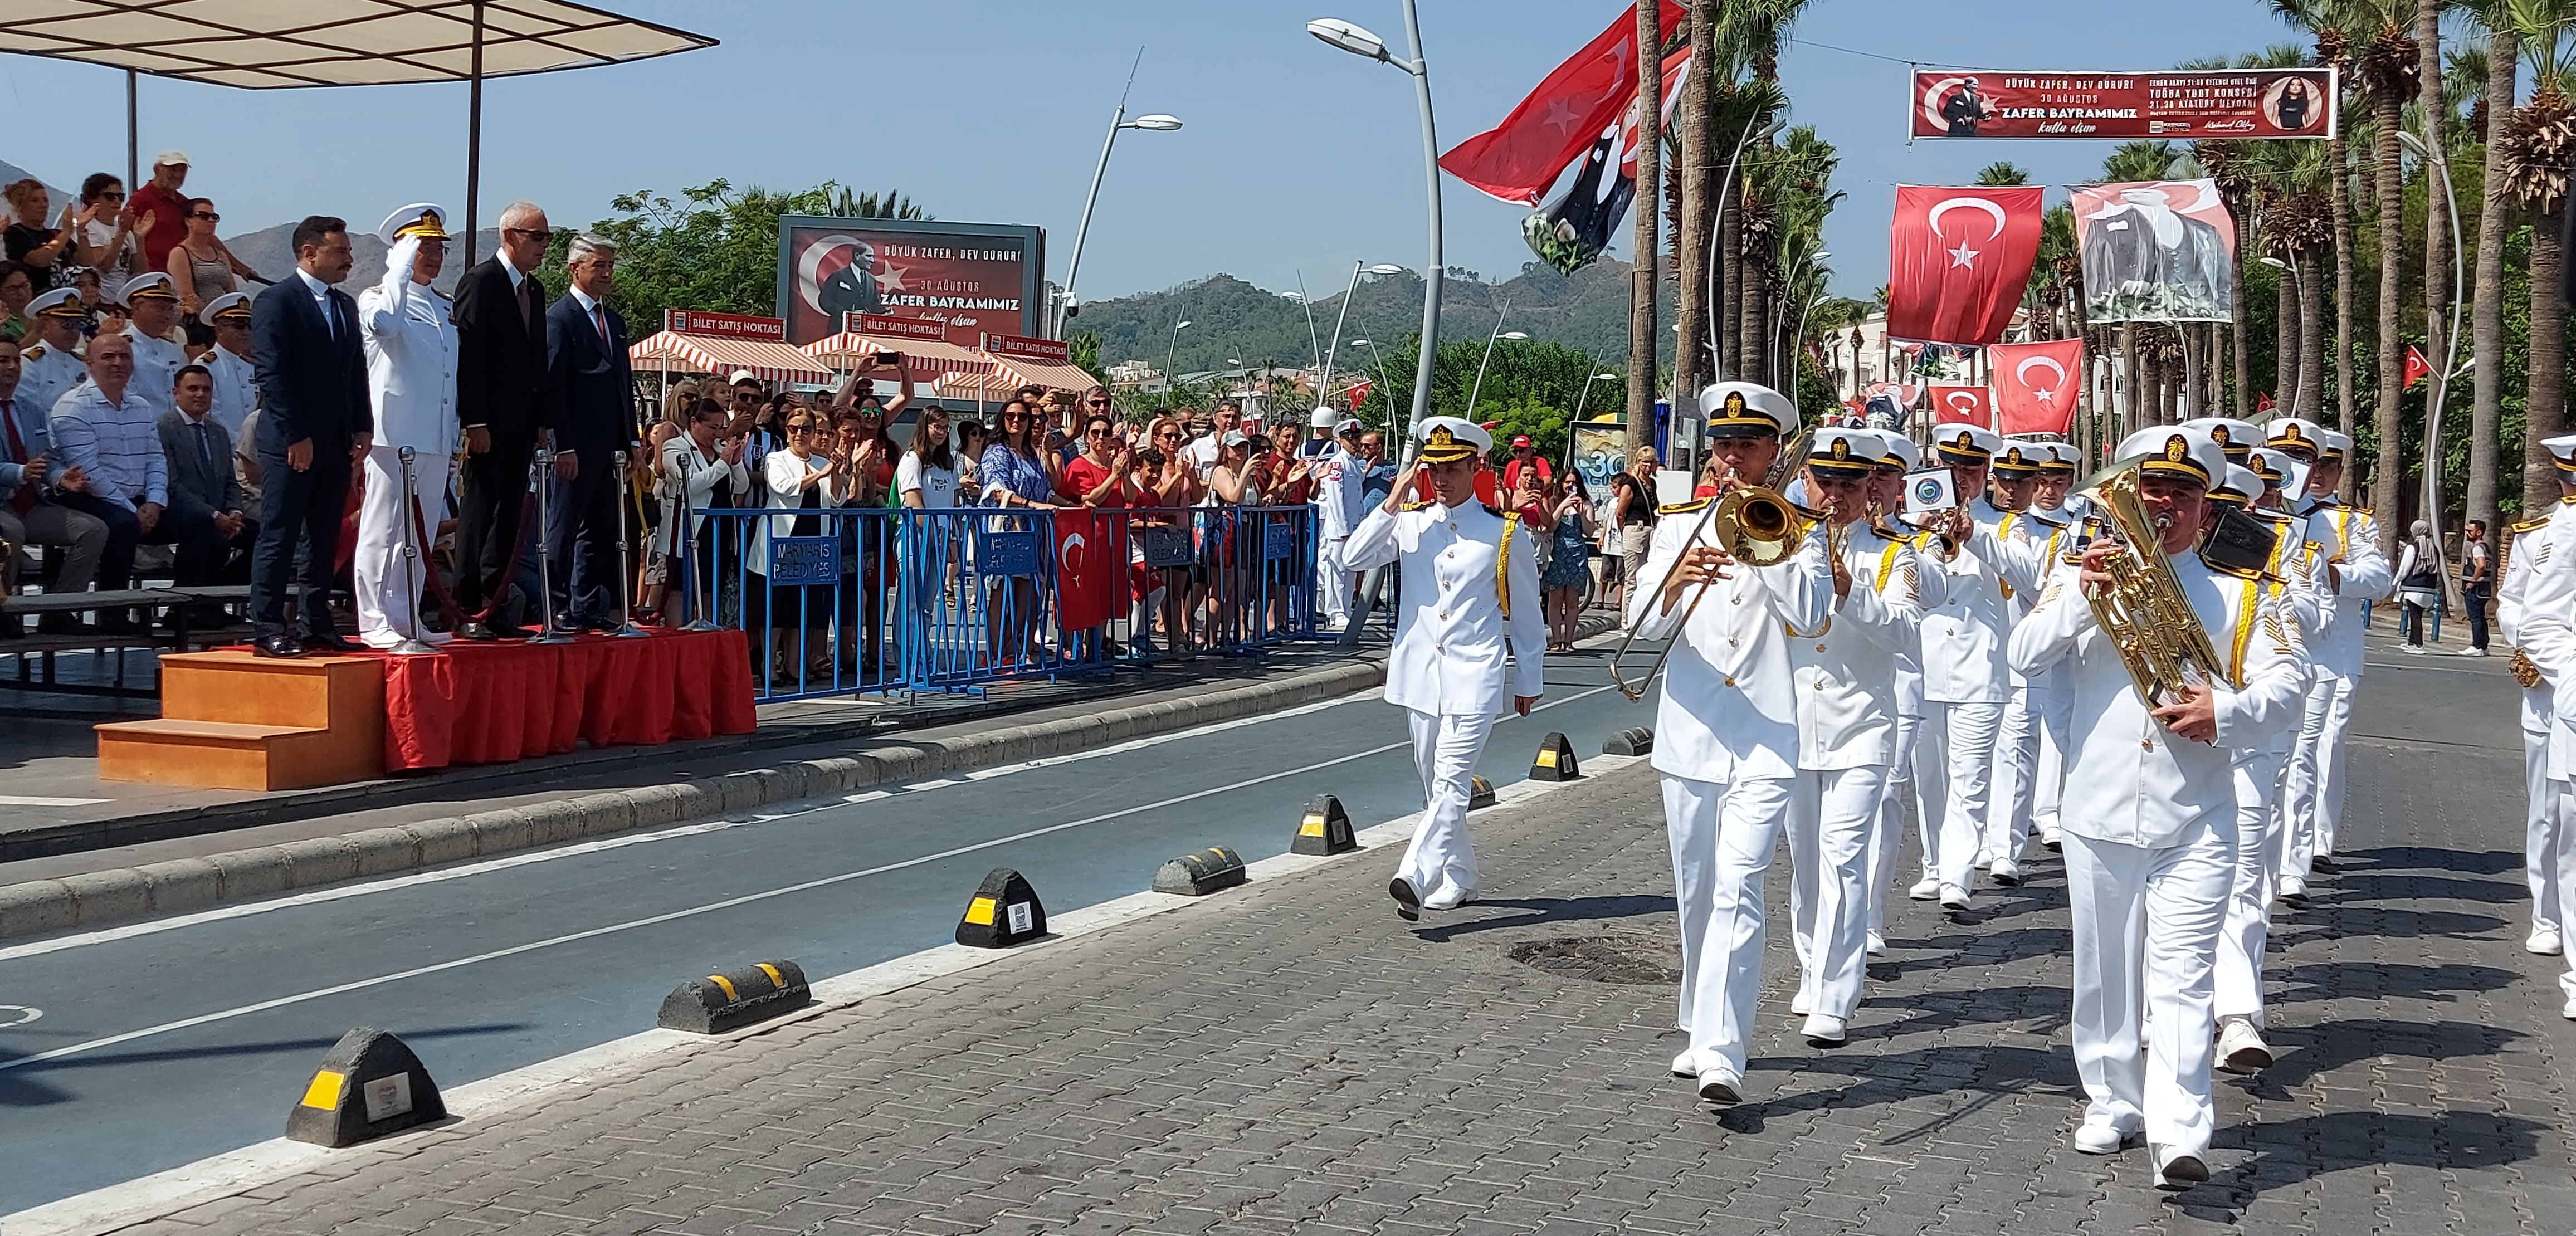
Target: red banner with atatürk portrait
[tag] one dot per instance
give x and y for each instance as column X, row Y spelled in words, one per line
column 1958, row 259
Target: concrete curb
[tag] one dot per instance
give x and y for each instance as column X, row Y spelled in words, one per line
column 100, row 898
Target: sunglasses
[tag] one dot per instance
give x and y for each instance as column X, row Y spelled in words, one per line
column 1169, row 433
column 800, row 429
column 539, row 235
column 208, row 215
column 112, row 195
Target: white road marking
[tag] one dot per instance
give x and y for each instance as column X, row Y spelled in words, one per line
column 13, row 1016
column 39, row 800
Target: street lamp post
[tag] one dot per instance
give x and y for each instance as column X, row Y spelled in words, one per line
column 1169, row 350
column 1791, row 282
column 1371, row 345
column 1579, row 401
column 1795, row 340
column 1708, row 304
column 2450, row 357
column 1499, row 333
column 2299, row 295
column 1360, row 42
column 1333, row 353
column 1156, row 123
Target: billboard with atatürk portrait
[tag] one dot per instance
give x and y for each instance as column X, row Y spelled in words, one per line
column 976, row 277
column 2155, row 251
column 2227, row 104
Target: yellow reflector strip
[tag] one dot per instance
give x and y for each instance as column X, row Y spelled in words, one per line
column 324, row 1093
column 725, row 983
column 1547, row 757
column 775, row 979
column 980, row 911
column 1313, row 827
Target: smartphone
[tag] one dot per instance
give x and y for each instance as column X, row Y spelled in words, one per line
column 1930, row 491
column 888, row 360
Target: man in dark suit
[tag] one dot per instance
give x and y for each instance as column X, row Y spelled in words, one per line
column 314, row 423
column 500, row 388
column 203, row 489
column 593, row 393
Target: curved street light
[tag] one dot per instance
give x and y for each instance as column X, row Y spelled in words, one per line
column 1725, row 184
column 1155, row 122
column 1359, row 42
column 1324, row 382
column 1168, row 351
column 2299, row 291
column 2450, row 360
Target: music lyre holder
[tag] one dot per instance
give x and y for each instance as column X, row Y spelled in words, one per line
column 542, row 469
column 626, row 628
column 412, row 645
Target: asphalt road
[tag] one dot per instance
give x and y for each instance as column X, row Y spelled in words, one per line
column 161, row 1043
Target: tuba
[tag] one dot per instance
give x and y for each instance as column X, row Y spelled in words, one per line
column 1754, row 524
column 2143, row 610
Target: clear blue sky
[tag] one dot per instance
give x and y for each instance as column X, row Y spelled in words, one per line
column 1296, row 157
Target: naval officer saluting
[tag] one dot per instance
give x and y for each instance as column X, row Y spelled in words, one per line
column 1469, row 638
column 411, row 380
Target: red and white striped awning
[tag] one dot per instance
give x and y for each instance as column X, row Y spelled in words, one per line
column 1011, row 372
column 767, row 359
column 929, row 360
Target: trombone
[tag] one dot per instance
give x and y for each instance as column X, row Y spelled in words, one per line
column 1753, row 524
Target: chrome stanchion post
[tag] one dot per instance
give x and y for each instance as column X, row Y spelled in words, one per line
column 411, row 646
column 688, row 563
column 543, row 470
column 626, row 628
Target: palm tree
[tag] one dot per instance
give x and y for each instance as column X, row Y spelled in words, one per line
column 889, row 205
column 2387, row 65
column 2327, row 22
column 2539, row 141
column 2001, row 173
column 2486, row 299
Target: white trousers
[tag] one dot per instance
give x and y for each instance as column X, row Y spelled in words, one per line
column 2563, row 799
column 1441, row 862
column 2056, row 706
column 2015, row 775
column 2146, row 929
column 2313, row 796
column 388, row 583
column 1888, row 836
column 2540, row 829
column 1833, row 826
column 2260, row 839
column 1722, row 837
column 1957, row 748
column 1332, row 583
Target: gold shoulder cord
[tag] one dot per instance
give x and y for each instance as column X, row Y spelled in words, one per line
column 1503, row 563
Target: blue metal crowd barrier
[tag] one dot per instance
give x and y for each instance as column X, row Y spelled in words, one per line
column 842, row 600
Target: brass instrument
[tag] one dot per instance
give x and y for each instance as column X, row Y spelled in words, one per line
column 1753, row 524
column 2144, row 611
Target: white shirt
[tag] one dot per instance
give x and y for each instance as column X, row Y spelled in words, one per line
column 156, row 366
column 684, row 470
column 2129, row 780
column 321, row 299
column 411, row 361
column 2536, row 609
column 2348, row 540
column 1727, row 712
column 1845, row 672
column 47, row 374
column 1202, row 454
column 236, row 389
column 1456, row 654
column 113, row 274
column 937, row 486
column 1964, row 629
column 1338, row 477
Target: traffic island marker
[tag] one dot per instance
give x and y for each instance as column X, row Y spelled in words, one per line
column 1003, row 912
column 1555, row 760
column 1203, row 872
column 369, row 1084
column 1325, row 830
column 1480, row 793
column 1637, row 740
column 736, row 998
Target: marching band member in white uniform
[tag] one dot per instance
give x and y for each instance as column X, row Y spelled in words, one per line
column 2356, row 572
column 411, row 378
column 2536, row 608
column 2050, row 503
column 1468, row 644
column 2150, row 819
column 2016, row 766
column 1844, row 677
column 1726, row 731
column 1887, row 489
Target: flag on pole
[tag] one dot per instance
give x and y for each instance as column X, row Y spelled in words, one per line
column 1958, row 259
column 2036, row 385
column 1518, row 159
column 2416, row 368
column 1964, row 405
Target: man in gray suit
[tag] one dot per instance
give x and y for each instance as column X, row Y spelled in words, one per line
column 202, row 485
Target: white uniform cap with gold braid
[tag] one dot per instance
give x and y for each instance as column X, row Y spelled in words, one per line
column 1901, row 454
column 1746, row 409
column 59, row 303
column 2270, row 466
column 2234, row 437
column 1447, row 438
column 2063, row 459
column 2297, row 435
column 1846, row 452
column 1965, row 444
column 229, row 307
column 2334, row 445
column 2020, row 459
column 2239, row 486
column 426, row 220
column 156, row 286
column 2174, row 450
column 2562, row 452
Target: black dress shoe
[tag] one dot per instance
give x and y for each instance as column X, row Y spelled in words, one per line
column 60, row 624
column 476, row 632
column 332, row 642
column 283, row 646
column 1408, row 903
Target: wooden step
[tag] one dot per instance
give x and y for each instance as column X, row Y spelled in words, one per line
column 306, row 692
column 234, row 755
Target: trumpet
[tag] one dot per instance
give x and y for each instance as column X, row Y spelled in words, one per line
column 1753, row 524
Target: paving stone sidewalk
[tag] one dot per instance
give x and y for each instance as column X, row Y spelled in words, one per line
column 1291, row 1058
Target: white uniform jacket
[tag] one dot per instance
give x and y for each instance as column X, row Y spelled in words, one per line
column 156, row 367
column 1846, row 673
column 2349, row 541
column 2128, row 779
column 1728, row 712
column 1965, row 629
column 2536, row 607
column 1338, row 475
column 46, row 375
column 411, row 364
column 236, row 389
column 1456, row 654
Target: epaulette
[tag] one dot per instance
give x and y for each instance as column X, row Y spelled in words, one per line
column 2359, row 510
column 1493, row 510
column 1679, row 508
column 2529, row 525
column 1881, row 533
column 2278, row 517
column 2045, row 522
column 33, row 351
column 1413, row 504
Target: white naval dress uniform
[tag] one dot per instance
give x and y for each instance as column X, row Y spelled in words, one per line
column 1887, row 839
column 1338, row 477
column 1726, row 742
column 2313, row 798
column 2015, row 773
column 236, row 389
column 2536, row 607
column 2048, row 775
column 2149, row 828
column 1458, row 662
column 411, row 380
column 46, row 374
column 156, row 367
column 2259, row 768
column 1845, row 688
column 1965, row 688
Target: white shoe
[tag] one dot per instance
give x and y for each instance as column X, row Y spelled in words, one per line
column 1449, row 899
column 1719, row 1084
column 2569, row 1012
column 1953, row 897
column 1685, row 1064
column 2241, row 1048
column 2470, row 652
column 2177, row 1170
column 1926, row 890
column 2544, row 941
column 1799, row 1005
column 435, row 638
column 1825, row 1030
column 2102, row 1137
column 1877, row 944
column 1985, row 858
column 2294, row 891
column 2410, row 650
column 2048, row 836
column 2006, row 872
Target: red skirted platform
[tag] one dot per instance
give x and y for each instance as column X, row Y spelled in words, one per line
column 491, row 703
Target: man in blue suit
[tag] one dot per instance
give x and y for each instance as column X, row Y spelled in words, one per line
column 593, row 423
column 314, row 423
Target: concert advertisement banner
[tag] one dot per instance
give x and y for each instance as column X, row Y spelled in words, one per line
column 976, row 277
column 2232, row 104
column 2036, row 385
column 1958, row 259
column 2156, row 251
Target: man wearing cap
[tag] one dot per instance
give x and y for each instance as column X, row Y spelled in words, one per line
column 28, row 468
column 2354, row 571
column 1887, row 491
column 2052, row 504
column 1339, row 476
column 1965, row 684
column 411, row 382
column 49, row 362
column 2536, row 610
column 500, row 316
column 1726, row 729
column 153, row 306
column 236, row 381
column 1468, row 645
column 160, row 197
column 1319, row 433
column 2013, row 776
column 1843, row 673
column 2150, row 817
column 315, row 422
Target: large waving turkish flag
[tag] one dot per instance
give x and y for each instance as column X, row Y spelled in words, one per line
column 1518, row 159
column 1088, row 566
column 1964, row 405
column 2036, row 385
column 1958, row 260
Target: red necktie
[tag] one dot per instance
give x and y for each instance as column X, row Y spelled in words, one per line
column 24, row 500
column 527, row 302
column 599, row 318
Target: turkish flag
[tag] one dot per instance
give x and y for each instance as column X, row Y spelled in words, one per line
column 1518, row 159
column 2036, row 385
column 2264, row 404
column 1964, row 405
column 2416, row 368
column 1958, row 260
column 1359, row 395
column 1087, row 569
